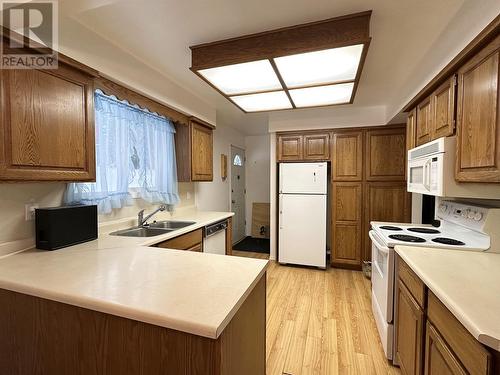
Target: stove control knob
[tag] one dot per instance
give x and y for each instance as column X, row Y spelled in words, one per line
column 443, row 207
column 478, row 216
column 471, row 214
column 464, row 214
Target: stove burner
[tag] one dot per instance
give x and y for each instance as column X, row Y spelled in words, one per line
column 424, row 230
column 390, row 227
column 406, row 238
column 448, row 241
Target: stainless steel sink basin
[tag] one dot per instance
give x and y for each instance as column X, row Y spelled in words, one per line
column 141, row 232
column 171, row 224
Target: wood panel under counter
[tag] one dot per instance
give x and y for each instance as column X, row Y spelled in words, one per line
column 132, row 311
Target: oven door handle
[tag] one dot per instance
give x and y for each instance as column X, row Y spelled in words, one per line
column 375, row 240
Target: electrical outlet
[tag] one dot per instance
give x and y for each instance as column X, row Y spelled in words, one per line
column 188, row 195
column 29, row 210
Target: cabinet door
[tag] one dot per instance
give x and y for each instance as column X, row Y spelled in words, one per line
column 439, row 359
column 317, row 146
column 384, row 201
column 385, row 154
column 443, row 106
column 47, row 125
column 290, row 147
column 201, row 153
column 424, row 122
column 409, row 332
column 410, row 130
column 347, row 156
column 346, row 224
column 478, row 127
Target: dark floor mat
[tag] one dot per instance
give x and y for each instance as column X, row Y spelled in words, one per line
column 256, row 245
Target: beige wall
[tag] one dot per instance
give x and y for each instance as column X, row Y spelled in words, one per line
column 13, row 198
column 256, row 173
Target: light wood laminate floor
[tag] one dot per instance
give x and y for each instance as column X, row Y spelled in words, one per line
column 320, row 322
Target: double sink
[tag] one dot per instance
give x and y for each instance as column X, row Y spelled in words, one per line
column 154, row 229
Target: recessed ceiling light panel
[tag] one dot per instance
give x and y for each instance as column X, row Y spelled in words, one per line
column 322, row 95
column 243, row 78
column 320, row 67
column 267, row 101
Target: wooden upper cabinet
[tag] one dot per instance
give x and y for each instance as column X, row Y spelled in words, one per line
column 443, row 108
column 202, row 153
column 478, row 127
column 316, row 146
column 47, row 125
column 385, row 154
column 409, row 332
column 290, row 147
column 424, row 122
column 346, row 223
column 194, row 151
column 411, row 130
column 347, row 156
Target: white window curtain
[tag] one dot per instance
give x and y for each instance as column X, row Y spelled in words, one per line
column 134, row 147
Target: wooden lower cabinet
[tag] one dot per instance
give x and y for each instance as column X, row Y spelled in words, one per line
column 192, row 241
column 448, row 346
column 45, row 337
column 409, row 332
column 439, row 360
column 229, row 236
column 346, row 224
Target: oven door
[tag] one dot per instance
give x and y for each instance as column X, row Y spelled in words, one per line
column 383, row 276
column 383, row 293
column 425, row 175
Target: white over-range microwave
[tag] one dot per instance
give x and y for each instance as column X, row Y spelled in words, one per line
column 431, row 171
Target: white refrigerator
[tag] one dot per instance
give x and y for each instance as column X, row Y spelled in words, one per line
column 302, row 214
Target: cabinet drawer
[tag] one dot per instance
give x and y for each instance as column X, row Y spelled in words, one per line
column 412, row 282
column 189, row 241
column 474, row 357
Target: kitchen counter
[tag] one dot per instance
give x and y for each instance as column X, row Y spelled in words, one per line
column 466, row 282
column 192, row 292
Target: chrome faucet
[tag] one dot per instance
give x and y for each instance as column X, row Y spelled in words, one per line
column 141, row 220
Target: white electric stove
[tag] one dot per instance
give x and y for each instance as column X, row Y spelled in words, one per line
column 463, row 227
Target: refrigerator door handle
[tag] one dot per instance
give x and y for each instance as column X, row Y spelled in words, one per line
column 281, row 211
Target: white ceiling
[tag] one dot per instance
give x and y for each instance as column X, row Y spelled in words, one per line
column 159, row 32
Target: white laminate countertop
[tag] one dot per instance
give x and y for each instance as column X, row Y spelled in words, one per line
column 192, row 292
column 468, row 284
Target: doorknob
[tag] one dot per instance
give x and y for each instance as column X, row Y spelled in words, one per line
column 233, row 201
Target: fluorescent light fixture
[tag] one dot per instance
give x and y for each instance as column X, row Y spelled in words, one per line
column 320, row 67
column 322, row 95
column 266, row 101
column 243, row 78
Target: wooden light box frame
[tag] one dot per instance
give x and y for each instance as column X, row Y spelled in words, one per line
column 310, row 37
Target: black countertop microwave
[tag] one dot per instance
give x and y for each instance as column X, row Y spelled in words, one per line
column 58, row 227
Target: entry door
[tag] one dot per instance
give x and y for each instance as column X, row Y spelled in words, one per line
column 238, row 192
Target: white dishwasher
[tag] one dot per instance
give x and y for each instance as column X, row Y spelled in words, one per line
column 214, row 241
